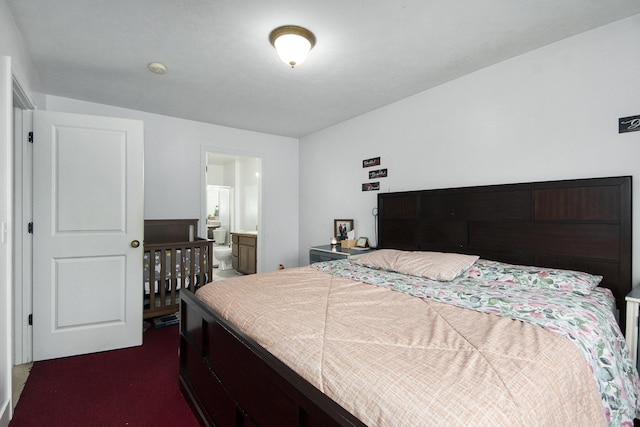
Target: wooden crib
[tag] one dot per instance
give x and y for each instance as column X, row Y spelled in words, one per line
column 174, row 260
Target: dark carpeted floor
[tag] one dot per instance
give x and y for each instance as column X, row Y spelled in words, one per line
column 136, row 387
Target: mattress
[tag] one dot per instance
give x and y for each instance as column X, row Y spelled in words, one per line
column 396, row 359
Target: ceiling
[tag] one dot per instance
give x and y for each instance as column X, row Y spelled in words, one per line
column 223, row 70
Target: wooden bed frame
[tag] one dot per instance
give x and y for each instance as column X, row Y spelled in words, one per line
column 172, row 237
column 582, row 225
column 229, row 380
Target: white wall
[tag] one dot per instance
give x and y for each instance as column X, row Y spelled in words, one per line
column 12, row 44
column 173, row 172
column 247, row 188
column 19, row 66
column 215, row 175
column 6, row 207
column 546, row 115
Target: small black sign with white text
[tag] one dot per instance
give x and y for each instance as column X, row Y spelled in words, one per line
column 628, row 124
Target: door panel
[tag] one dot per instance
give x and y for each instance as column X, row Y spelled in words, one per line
column 88, row 197
column 103, row 177
column 89, row 278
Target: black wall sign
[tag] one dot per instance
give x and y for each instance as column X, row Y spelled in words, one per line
column 371, row 162
column 628, row 124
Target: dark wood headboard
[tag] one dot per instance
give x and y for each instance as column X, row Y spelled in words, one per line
column 582, row 224
column 158, row 231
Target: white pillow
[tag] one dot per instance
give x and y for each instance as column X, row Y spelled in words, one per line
column 431, row 265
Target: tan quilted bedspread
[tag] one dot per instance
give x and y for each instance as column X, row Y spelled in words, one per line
column 395, row 360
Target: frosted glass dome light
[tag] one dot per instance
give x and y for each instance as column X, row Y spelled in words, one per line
column 292, row 43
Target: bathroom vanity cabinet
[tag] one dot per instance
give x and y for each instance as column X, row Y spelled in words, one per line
column 243, row 251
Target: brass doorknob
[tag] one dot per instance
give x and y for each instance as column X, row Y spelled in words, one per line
column 135, row 243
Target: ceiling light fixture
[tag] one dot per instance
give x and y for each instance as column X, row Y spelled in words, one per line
column 157, row 67
column 292, row 43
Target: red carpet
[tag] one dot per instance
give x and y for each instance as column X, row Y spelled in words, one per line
column 135, row 387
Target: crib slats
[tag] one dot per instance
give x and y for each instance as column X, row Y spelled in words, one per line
column 152, row 280
column 181, row 265
column 192, row 270
column 163, row 274
column 173, row 278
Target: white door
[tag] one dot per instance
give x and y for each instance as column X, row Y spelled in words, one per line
column 87, row 220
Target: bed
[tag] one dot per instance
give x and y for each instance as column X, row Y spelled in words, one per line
column 174, row 259
column 374, row 342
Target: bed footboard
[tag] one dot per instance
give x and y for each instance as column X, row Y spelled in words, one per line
column 229, row 380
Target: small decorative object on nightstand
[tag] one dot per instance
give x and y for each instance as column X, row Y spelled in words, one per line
column 362, row 242
column 331, row 252
column 631, row 335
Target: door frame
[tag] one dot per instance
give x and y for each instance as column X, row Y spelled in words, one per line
column 23, row 214
column 206, row 149
column 6, row 241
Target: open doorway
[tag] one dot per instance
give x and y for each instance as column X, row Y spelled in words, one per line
column 232, row 204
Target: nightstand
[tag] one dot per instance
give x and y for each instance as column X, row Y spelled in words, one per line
column 328, row 253
column 631, row 335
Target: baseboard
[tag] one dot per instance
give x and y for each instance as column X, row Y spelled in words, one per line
column 5, row 413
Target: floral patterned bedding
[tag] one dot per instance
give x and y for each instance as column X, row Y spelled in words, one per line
column 586, row 320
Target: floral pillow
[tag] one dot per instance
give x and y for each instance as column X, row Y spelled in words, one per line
column 535, row 277
column 431, row 265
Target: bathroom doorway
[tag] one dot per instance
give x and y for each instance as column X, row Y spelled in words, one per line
column 219, row 199
column 231, row 202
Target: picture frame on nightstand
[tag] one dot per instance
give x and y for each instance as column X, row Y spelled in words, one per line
column 362, row 242
column 341, row 227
